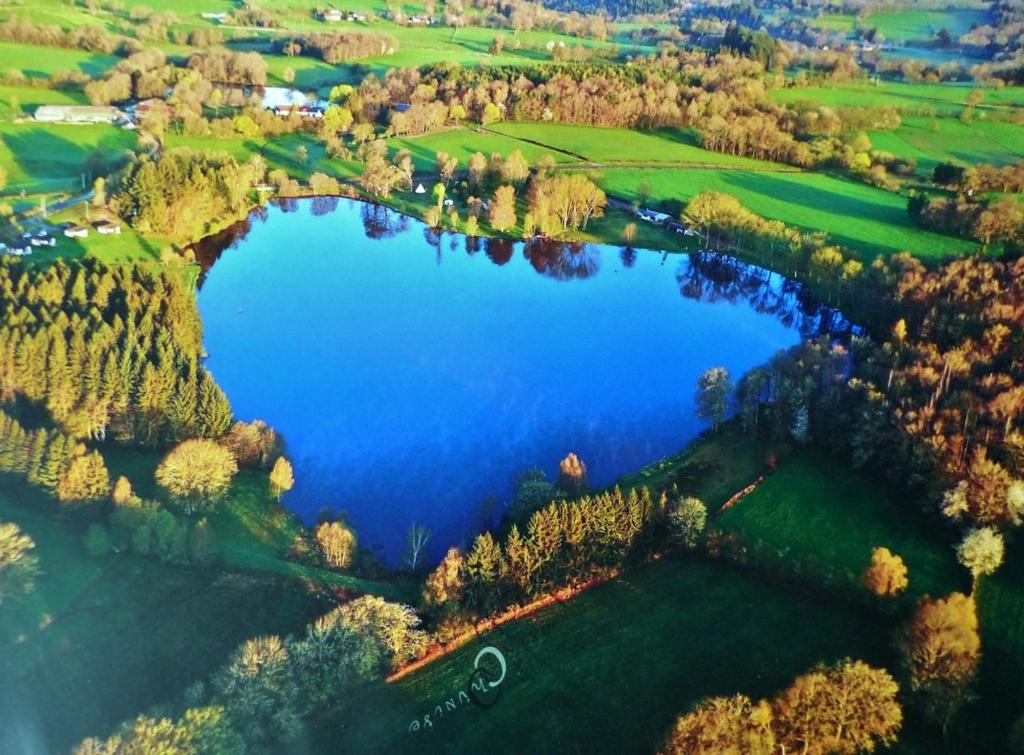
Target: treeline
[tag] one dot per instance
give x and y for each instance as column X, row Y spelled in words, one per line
column 107, row 350
column 723, row 97
column 934, row 407
column 524, row 15
column 223, row 67
column 725, row 222
column 988, row 221
column 848, row 707
column 147, row 529
column 339, row 46
column 182, row 194
column 565, row 543
column 57, row 462
column 141, row 75
column 256, row 702
column 969, row 212
column 88, row 37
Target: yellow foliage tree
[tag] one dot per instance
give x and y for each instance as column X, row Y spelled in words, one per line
column 447, row 583
column 839, row 710
column 723, row 726
column 122, row 491
column 196, row 472
column 941, row 650
column 87, row 479
column 281, row 477
column 337, row 542
column 887, row 574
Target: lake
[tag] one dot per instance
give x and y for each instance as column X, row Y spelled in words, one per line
column 415, row 376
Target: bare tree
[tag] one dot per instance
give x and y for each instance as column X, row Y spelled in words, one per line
column 419, row 536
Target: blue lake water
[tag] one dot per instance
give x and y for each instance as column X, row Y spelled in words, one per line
column 414, row 377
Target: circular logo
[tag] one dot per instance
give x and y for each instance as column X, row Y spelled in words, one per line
column 489, row 669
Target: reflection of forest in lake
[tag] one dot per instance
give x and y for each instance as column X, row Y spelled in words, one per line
column 415, row 373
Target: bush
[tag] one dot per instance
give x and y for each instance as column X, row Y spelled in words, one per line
column 97, row 541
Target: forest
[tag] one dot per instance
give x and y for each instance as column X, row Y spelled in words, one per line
column 827, row 561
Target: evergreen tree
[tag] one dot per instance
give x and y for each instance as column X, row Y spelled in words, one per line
column 87, row 479
column 483, row 569
column 214, row 409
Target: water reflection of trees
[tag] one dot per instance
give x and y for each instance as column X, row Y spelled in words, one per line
column 499, row 251
column 714, row 277
column 208, row 250
column 381, row 223
column 703, row 276
column 561, row 260
column 324, row 205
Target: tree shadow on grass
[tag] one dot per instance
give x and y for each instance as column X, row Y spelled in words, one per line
column 92, row 66
column 44, row 155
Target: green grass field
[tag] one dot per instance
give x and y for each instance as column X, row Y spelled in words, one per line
column 100, row 640
column 51, row 157
column 463, row 142
column 908, row 25
column 931, row 141
column 941, row 99
column 816, row 514
column 22, row 100
column 621, row 145
column 41, row 62
column 857, row 216
column 609, row 671
column 279, row 152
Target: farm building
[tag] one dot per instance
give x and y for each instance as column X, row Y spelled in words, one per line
column 76, row 232
column 331, row 16
column 145, row 106
column 283, row 101
column 77, row 114
column 107, row 227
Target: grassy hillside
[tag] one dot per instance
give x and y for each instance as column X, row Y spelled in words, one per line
column 609, row 671
column 51, row 157
column 100, row 640
column 908, row 25
column 614, row 145
column 941, row 99
column 857, row 216
column 816, row 515
column 931, row 141
column 41, row 62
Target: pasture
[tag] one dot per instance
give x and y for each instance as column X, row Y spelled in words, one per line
column 463, row 142
column 622, row 145
column 42, row 62
column 817, row 516
column 860, row 217
column 932, row 141
column 281, row 152
column 52, row 157
column 23, row 100
column 911, row 98
column 609, row 671
column 908, row 25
